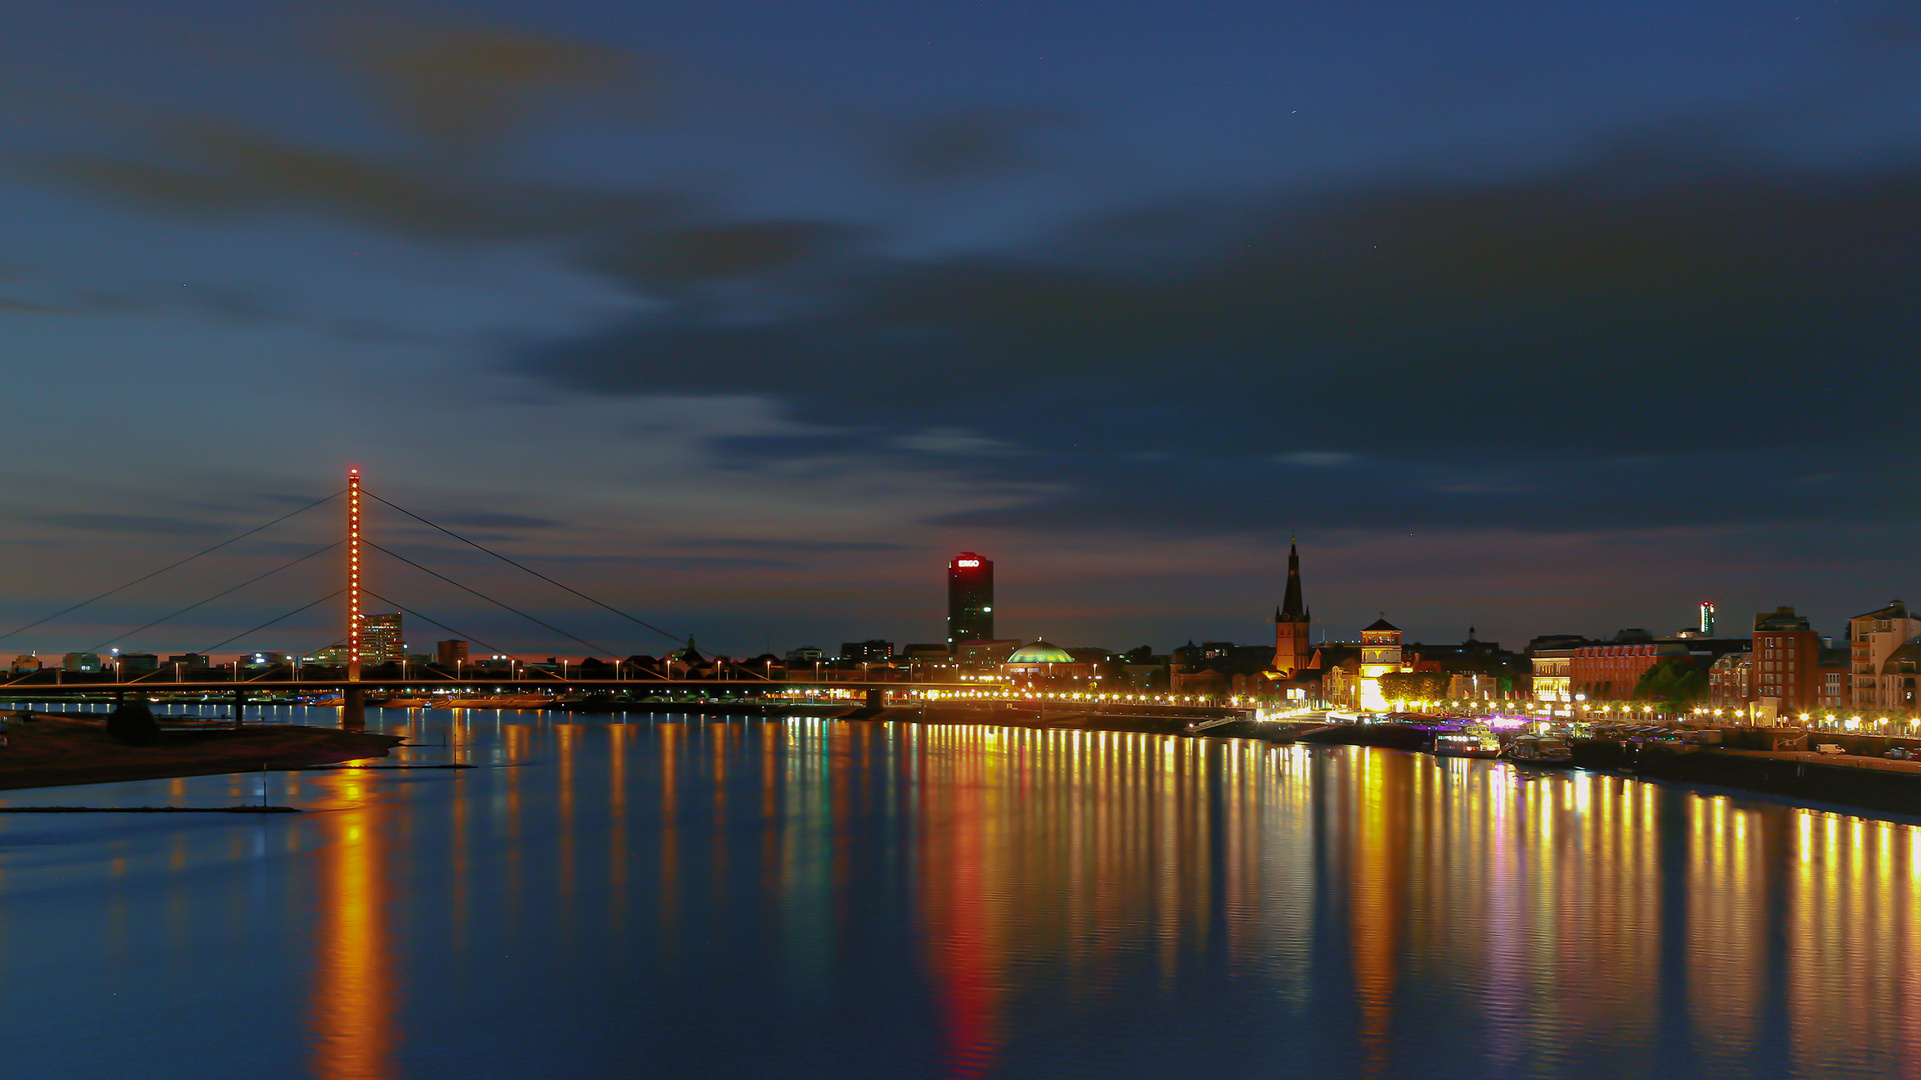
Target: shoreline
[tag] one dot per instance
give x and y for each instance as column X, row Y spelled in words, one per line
column 62, row 751
column 1816, row 781
column 53, row 750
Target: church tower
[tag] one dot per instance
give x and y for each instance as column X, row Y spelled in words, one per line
column 1291, row 621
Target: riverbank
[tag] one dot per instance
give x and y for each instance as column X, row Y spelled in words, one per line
column 1868, row 783
column 50, row 751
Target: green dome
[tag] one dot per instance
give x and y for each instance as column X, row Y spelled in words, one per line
column 1040, row 652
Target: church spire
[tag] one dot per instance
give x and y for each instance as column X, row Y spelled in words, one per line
column 1292, row 609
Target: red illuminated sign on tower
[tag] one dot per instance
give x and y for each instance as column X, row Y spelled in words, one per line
column 970, row 599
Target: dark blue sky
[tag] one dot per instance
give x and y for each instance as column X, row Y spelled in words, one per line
column 1541, row 318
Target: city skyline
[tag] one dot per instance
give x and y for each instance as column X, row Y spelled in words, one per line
column 970, row 603
column 1537, row 322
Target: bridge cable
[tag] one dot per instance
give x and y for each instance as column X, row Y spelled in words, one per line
column 171, row 566
column 218, row 595
column 602, row 649
column 273, row 620
column 428, row 618
column 676, row 639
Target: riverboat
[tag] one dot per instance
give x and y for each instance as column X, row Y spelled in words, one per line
column 1540, row 750
column 1475, row 740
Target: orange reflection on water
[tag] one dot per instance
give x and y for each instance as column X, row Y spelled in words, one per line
column 670, row 741
column 354, row 995
column 1378, row 896
column 960, row 876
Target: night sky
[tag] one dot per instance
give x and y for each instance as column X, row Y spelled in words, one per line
column 745, row 316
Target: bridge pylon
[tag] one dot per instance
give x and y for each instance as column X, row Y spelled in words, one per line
column 353, row 575
column 353, row 700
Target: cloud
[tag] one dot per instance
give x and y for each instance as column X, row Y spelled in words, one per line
column 465, row 86
column 672, row 257
column 1317, row 459
column 199, row 167
column 1667, row 294
column 27, row 307
column 966, row 145
column 135, row 523
column 489, row 519
column 459, row 93
column 826, row 546
column 957, row 442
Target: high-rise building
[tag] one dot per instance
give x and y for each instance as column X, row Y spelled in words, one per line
column 450, row 654
column 1707, row 618
column 381, row 641
column 970, row 599
column 1291, row 622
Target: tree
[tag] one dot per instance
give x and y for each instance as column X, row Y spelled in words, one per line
column 1676, row 682
column 1414, row 685
column 133, row 723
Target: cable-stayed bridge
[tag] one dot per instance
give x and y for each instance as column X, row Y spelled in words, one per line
column 354, row 678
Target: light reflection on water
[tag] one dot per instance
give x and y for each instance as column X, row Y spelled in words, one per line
column 675, row 896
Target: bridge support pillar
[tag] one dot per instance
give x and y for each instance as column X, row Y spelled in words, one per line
column 876, row 698
column 239, row 707
column 353, row 709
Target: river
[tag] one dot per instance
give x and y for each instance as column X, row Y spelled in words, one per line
column 661, row 895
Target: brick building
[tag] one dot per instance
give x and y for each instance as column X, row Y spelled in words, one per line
column 1787, row 664
column 1609, row 672
column 1292, row 622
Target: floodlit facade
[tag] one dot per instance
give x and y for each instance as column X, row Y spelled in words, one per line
column 1380, row 655
column 1553, row 674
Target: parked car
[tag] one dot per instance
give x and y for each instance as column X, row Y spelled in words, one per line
column 1897, row 754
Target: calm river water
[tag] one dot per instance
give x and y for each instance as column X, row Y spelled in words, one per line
column 657, row 895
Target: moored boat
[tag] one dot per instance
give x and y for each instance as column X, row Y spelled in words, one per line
column 1540, row 750
column 1474, row 740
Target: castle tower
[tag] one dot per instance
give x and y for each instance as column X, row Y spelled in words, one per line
column 1291, row 622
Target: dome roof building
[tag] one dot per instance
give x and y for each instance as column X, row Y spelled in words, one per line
column 1042, row 659
column 1041, row 651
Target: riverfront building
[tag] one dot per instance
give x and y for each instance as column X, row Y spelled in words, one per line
column 1874, row 638
column 1043, row 663
column 984, row 655
column 1787, row 664
column 1609, row 672
column 1553, row 674
column 970, row 600
column 1380, row 655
